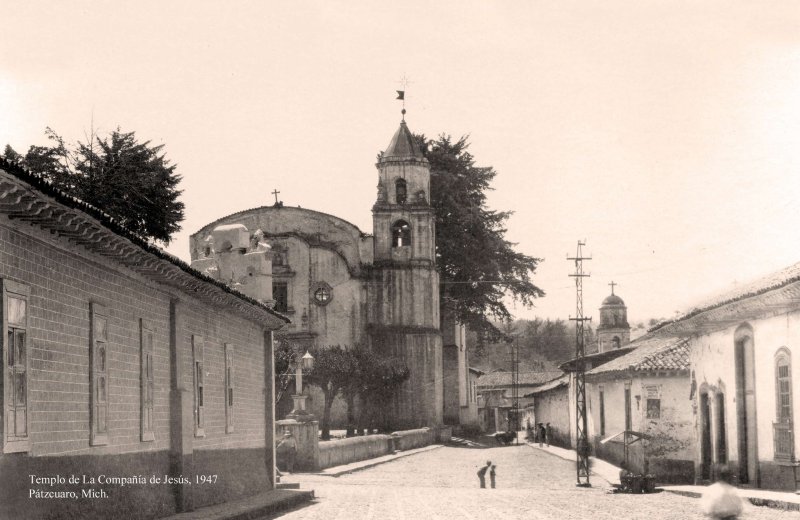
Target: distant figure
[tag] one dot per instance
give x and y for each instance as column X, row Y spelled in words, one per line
column 547, row 434
column 541, row 434
column 286, row 452
column 492, row 473
column 482, row 473
column 721, row 500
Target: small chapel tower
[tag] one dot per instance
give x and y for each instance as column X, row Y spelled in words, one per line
column 403, row 309
column 613, row 331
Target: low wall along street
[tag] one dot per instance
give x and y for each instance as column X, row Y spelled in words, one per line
column 339, row 452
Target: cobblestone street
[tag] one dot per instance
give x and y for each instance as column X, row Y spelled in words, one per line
column 442, row 484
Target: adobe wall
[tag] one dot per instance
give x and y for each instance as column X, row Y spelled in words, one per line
column 713, row 361
column 552, row 407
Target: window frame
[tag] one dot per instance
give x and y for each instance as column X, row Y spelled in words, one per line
column 198, row 385
column 401, row 234
column 98, row 375
column 400, row 191
column 15, row 443
column 785, row 355
column 280, row 308
column 229, row 387
column 147, row 381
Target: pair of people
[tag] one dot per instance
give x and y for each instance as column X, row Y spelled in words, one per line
column 491, row 468
column 544, row 434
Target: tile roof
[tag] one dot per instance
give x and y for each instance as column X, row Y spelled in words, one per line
column 31, row 197
column 550, row 385
column 771, row 282
column 525, row 378
column 651, row 353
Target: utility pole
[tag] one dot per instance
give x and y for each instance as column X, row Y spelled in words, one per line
column 580, row 370
column 515, row 387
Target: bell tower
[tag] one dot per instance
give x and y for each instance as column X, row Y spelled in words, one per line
column 403, row 311
column 613, row 331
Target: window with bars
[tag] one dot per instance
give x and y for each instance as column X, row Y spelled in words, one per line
column 147, row 379
column 14, row 378
column 98, row 383
column 229, row 385
column 199, row 376
column 783, row 387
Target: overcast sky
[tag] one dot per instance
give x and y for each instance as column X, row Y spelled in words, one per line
column 666, row 134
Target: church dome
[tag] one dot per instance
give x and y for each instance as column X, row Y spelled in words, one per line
column 613, row 299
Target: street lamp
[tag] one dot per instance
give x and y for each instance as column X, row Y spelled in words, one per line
column 304, row 363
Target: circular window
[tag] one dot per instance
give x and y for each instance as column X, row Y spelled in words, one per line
column 322, row 293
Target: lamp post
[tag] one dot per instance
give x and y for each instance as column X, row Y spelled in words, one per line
column 304, row 363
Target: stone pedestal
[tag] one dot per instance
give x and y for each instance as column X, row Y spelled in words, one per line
column 305, row 429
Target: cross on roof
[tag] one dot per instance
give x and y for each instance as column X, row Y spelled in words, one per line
column 612, row 284
column 275, row 192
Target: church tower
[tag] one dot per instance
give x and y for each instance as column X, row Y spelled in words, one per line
column 613, row 331
column 403, row 310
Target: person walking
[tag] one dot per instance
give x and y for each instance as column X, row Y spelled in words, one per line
column 492, row 474
column 547, row 434
column 482, row 473
column 541, row 433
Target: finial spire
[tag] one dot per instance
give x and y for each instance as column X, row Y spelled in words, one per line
column 401, row 94
column 612, row 284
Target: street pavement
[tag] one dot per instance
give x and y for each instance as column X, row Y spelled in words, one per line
column 531, row 484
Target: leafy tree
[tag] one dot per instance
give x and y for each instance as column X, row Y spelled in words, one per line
column 478, row 266
column 131, row 181
column 380, row 379
column 334, row 369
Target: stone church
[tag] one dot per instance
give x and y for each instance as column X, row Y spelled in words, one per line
column 341, row 286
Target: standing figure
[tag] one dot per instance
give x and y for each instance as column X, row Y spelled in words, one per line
column 286, row 452
column 482, row 473
column 492, row 473
column 547, row 434
column 542, row 434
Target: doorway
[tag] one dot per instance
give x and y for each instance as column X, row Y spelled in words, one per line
column 744, row 359
column 705, row 437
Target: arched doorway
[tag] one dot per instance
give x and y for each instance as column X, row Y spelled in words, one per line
column 744, row 361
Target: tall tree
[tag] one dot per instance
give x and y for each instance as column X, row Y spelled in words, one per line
column 478, row 266
column 131, row 181
column 334, row 369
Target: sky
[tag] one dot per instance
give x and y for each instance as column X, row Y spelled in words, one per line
column 664, row 134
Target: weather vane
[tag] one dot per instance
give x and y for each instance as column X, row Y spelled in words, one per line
column 401, row 94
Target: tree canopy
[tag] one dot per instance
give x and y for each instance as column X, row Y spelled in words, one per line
column 479, row 268
column 131, row 181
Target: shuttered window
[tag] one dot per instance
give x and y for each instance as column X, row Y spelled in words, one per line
column 99, row 375
column 199, row 385
column 147, row 381
column 229, row 388
column 14, row 380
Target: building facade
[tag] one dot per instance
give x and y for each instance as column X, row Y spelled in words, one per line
column 343, row 287
column 121, row 361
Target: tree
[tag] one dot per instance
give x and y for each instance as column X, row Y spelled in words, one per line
column 478, row 266
column 380, row 378
column 131, row 181
column 334, row 369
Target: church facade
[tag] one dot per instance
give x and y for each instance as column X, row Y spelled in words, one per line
column 341, row 286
